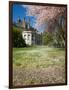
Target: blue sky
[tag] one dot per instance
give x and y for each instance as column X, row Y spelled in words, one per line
column 20, row 11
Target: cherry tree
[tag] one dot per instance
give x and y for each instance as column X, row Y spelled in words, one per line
column 53, row 17
column 44, row 14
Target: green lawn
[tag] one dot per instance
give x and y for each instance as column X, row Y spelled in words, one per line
column 38, row 65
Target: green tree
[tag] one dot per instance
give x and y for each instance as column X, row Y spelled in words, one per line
column 18, row 41
column 47, row 38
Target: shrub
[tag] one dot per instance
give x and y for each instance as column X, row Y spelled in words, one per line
column 18, row 41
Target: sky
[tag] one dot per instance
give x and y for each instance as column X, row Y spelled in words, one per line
column 40, row 16
column 21, row 12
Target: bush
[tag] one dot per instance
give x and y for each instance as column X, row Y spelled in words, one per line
column 18, row 41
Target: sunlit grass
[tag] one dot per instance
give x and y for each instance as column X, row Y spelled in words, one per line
column 37, row 58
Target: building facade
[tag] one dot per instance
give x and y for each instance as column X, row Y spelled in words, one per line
column 29, row 34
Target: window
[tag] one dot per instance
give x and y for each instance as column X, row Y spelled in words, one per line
column 28, row 36
column 25, row 37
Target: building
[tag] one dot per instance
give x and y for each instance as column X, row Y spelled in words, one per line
column 29, row 34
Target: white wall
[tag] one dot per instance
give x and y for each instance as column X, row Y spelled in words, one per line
column 4, row 45
column 28, row 40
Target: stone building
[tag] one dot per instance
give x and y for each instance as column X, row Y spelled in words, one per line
column 29, row 34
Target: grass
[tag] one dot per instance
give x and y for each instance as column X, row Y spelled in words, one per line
column 38, row 65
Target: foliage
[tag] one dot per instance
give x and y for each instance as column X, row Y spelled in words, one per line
column 58, row 39
column 54, row 39
column 55, row 35
column 18, row 41
column 44, row 14
column 47, row 38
